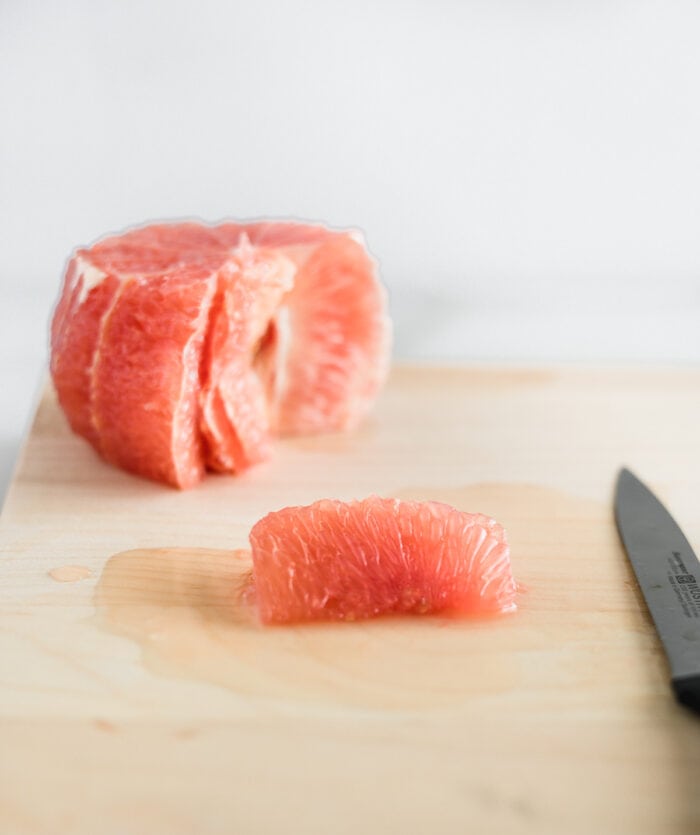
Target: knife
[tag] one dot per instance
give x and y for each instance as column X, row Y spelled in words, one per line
column 668, row 573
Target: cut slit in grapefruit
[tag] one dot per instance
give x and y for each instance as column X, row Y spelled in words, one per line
column 334, row 560
column 182, row 347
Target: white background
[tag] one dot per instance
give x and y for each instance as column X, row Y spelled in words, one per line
column 528, row 173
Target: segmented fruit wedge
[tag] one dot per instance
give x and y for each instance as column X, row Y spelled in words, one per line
column 337, row 560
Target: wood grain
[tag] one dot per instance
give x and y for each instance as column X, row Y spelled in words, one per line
column 133, row 700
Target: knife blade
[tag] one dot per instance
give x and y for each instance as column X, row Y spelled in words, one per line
column 668, row 573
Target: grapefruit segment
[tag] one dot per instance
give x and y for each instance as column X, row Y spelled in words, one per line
column 338, row 341
column 344, row 561
column 234, row 421
column 179, row 347
column 87, row 298
column 146, row 376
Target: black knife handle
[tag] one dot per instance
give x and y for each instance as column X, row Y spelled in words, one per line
column 687, row 690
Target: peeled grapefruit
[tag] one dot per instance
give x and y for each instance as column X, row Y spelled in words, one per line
column 181, row 347
column 343, row 561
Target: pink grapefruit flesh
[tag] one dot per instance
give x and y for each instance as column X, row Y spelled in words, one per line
column 177, row 348
column 334, row 560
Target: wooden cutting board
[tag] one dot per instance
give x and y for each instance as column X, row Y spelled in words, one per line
column 137, row 699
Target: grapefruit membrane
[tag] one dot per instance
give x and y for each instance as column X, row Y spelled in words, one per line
column 336, row 560
column 181, row 347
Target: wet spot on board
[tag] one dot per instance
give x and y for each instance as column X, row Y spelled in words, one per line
column 70, row 573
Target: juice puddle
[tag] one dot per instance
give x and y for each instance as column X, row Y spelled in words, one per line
column 192, row 614
column 70, row 573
